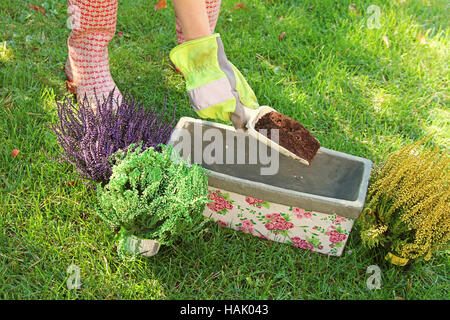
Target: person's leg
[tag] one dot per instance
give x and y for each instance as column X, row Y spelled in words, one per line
column 195, row 18
column 216, row 88
column 87, row 65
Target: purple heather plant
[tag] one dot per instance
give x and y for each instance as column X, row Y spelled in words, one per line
column 88, row 138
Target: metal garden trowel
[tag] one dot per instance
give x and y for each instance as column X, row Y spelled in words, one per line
column 294, row 140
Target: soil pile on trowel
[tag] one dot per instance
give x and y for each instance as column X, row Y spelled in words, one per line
column 292, row 135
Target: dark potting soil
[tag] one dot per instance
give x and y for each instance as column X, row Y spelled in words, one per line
column 292, row 135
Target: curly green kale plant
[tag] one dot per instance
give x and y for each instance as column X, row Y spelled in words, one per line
column 154, row 195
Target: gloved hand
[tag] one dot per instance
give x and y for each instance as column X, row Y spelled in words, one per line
column 215, row 87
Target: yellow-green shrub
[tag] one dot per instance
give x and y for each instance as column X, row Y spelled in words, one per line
column 407, row 209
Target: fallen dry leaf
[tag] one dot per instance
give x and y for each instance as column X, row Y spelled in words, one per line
column 421, row 38
column 37, row 9
column 71, row 87
column 281, row 36
column 14, row 153
column 386, row 41
column 353, row 8
column 70, row 183
column 160, row 5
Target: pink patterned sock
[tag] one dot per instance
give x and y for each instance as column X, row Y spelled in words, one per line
column 93, row 24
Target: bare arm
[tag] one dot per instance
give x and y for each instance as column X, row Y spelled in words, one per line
column 193, row 18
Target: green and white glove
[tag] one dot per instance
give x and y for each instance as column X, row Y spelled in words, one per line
column 215, row 87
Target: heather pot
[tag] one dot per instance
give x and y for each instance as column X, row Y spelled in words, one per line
column 130, row 244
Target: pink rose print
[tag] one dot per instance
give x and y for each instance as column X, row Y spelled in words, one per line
column 335, row 236
column 246, row 226
column 298, row 210
column 222, row 223
column 301, row 213
column 219, row 203
column 301, row 243
column 338, row 220
column 254, row 201
column 277, row 222
column 272, row 216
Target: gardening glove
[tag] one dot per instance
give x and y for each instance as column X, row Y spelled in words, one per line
column 215, row 87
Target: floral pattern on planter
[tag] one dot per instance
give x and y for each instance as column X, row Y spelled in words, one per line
column 258, row 203
column 301, row 228
column 221, row 202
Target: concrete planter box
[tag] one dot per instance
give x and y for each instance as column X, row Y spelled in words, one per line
column 310, row 207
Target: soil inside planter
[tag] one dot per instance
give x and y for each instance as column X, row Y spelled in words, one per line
column 292, row 135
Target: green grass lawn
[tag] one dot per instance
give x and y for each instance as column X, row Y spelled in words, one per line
column 330, row 71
